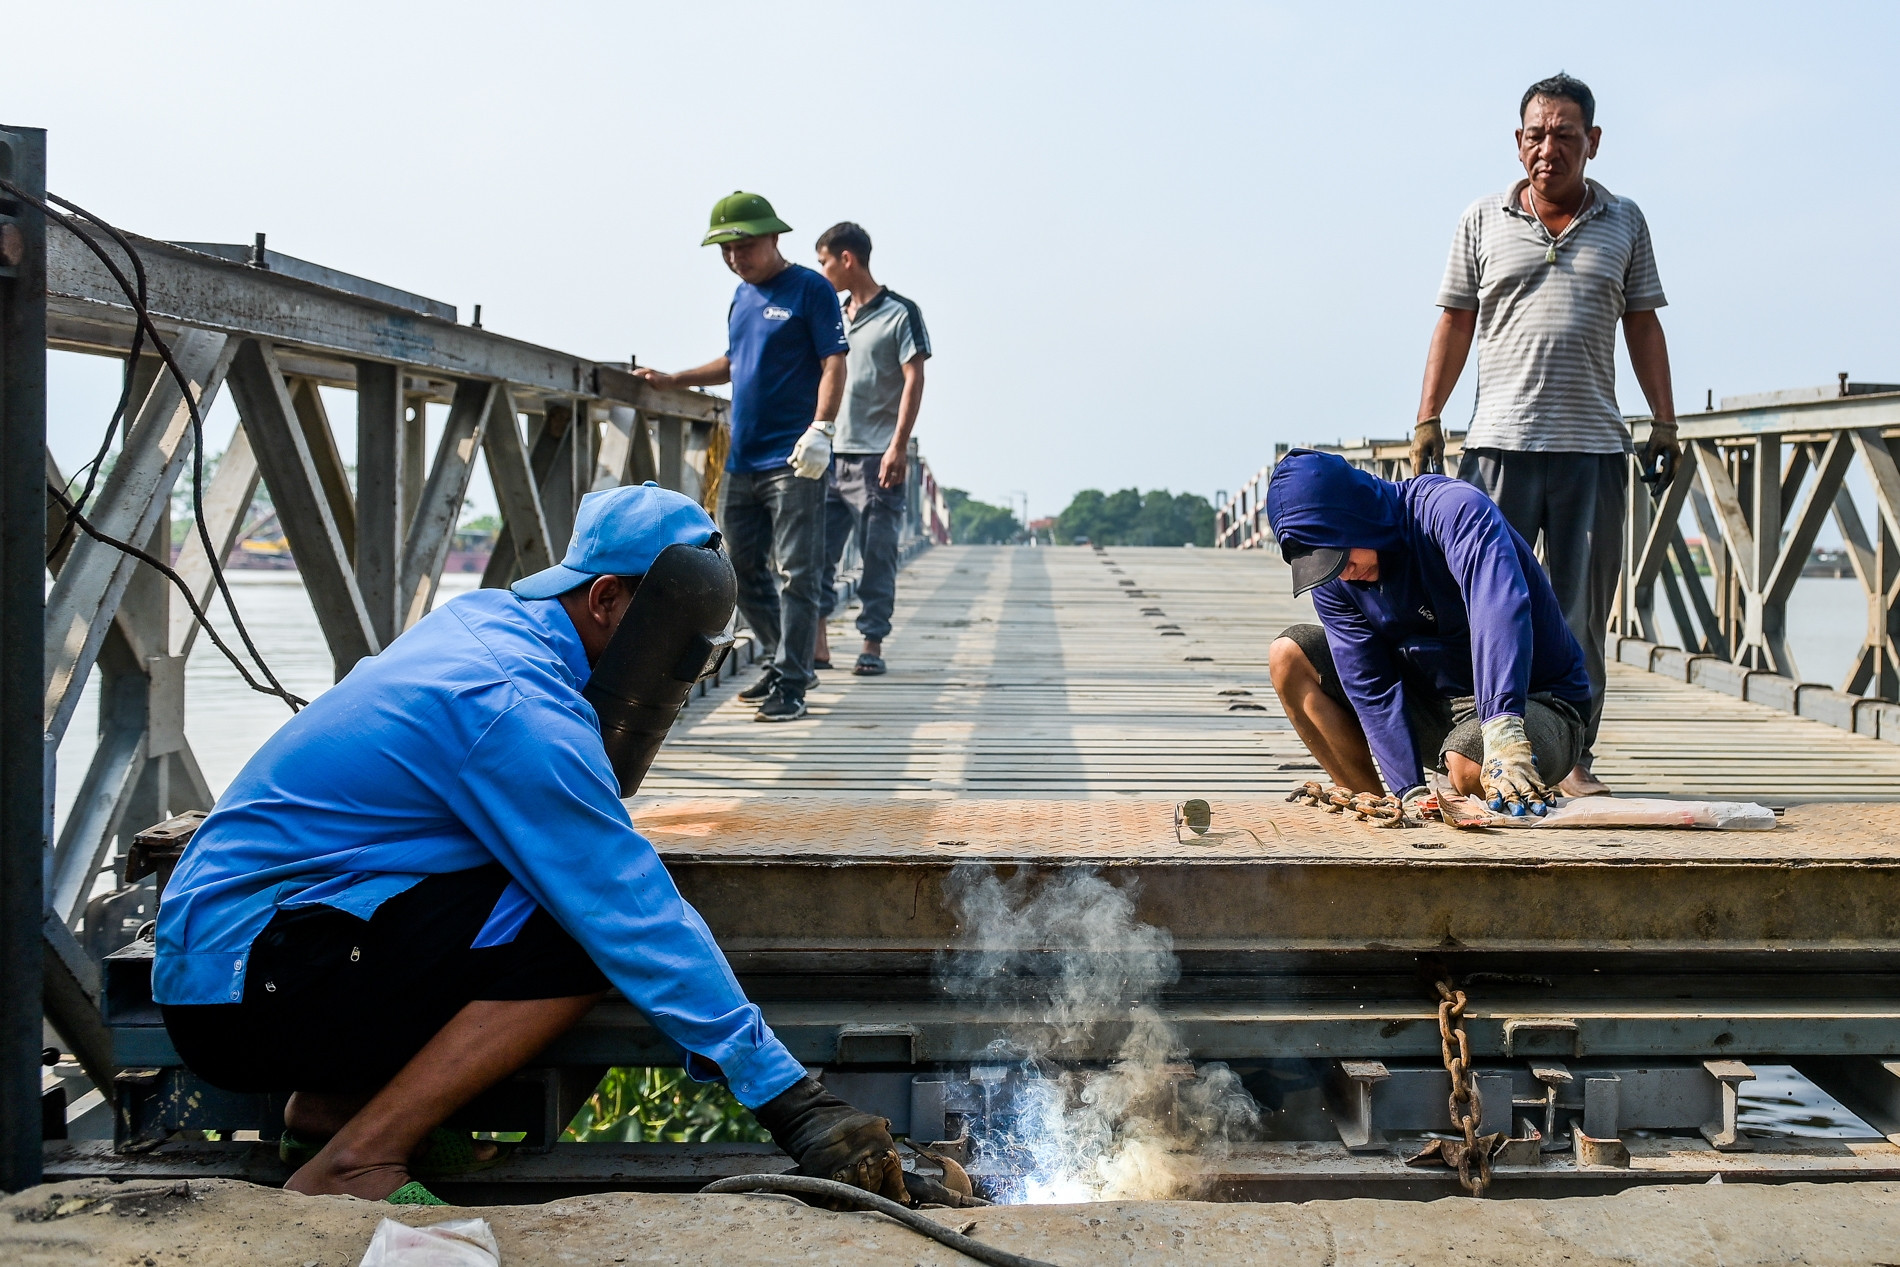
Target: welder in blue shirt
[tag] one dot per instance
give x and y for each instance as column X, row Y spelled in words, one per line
column 428, row 874
column 1440, row 640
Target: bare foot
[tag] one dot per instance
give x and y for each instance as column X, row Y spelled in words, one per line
column 874, row 646
column 323, row 1175
column 1580, row 782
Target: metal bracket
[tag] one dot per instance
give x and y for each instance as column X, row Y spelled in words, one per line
column 1595, row 1138
column 1524, row 1149
column 1542, row 1035
column 1591, row 1151
column 1351, row 1089
column 877, row 1045
column 1554, row 1078
column 1726, row 1135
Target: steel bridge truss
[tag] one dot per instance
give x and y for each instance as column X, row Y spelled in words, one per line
column 370, row 551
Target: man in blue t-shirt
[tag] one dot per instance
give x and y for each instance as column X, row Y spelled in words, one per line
column 785, row 359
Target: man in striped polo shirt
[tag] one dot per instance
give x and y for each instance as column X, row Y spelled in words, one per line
column 1539, row 276
column 884, row 387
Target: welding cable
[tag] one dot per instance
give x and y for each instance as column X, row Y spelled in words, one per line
column 94, row 467
column 86, row 526
column 859, row 1199
column 137, row 299
column 275, row 687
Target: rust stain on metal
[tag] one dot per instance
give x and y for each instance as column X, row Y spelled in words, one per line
column 845, row 828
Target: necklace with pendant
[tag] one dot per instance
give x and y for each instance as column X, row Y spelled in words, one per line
column 1550, row 251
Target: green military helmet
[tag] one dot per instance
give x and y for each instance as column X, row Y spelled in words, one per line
column 743, row 215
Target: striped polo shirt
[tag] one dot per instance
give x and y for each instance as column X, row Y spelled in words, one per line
column 1546, row 333
column 886, row 334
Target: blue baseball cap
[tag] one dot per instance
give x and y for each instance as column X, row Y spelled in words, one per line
column 621, row 531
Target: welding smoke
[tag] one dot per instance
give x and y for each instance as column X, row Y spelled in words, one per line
column 1070, row 959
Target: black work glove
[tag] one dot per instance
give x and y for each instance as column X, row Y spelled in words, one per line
column 831, row 1140
column 1659, row 458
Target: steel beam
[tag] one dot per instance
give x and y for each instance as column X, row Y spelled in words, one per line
column 296, row 490
column 432, row 529
column 515, row 489
column 321, row 440
column 227, row 506
column 209, row 293
column 129, row 503
column 381, row 518
column 25, row 804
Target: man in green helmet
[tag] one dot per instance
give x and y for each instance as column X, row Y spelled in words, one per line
column 785, row 358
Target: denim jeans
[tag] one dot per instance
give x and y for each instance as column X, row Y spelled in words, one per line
column 854, row 502
column 774, row 524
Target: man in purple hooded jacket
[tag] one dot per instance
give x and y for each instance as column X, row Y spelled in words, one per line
column 1442, row 641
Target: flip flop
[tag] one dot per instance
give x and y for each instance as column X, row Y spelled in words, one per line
column 447, row 1153
column 821, row 664
column 869, row 665
column 294, row 1149
column 444, row 1153
column 413, row 1193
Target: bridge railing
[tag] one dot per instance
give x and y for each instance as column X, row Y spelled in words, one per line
column 1756, row 485
column 370, row 546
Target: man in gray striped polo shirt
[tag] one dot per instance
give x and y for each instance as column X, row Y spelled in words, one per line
column 884, row 387
column 1539, row 276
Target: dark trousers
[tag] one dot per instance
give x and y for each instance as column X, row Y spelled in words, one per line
column 336, row 1003
column 774, row 524
column 855, row 502
column 1576, row 502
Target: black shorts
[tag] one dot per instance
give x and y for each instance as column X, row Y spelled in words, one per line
column 1440, row 725
column 337, row 1003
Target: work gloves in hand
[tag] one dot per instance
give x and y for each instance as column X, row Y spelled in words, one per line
column 1428, row 448
column 1659, row 457
column 1509, row 776
column 811, row 456
column 831, row 1140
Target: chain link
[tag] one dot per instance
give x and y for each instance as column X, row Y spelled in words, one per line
column 1368, row 807
column 1467, row 1105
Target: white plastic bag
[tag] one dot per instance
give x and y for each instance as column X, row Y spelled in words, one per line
column 455, row 1243
column 1612, row 811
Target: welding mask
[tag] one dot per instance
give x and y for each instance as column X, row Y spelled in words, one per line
column 674, row 633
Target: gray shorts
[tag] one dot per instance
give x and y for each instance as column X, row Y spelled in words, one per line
column 1440, row 725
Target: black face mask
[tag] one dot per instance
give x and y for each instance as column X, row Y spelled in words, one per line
column 673, row 634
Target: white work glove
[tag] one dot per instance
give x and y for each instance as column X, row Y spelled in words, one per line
column 1510, row 779
column 811, row 456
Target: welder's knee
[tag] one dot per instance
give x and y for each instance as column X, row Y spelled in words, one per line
column 1466, row 776
column 1287, row 664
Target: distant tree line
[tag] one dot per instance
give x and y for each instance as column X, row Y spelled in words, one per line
column 975, row 523
column 1130, row 517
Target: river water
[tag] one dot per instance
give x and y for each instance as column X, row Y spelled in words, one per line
column 227, row 722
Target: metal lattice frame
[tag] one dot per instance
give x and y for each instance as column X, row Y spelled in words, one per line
column 370, row 556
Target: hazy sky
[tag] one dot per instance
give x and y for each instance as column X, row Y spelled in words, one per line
column 1150, row 241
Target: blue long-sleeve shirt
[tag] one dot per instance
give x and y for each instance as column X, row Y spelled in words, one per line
column 1461, row 607
column 465, row 743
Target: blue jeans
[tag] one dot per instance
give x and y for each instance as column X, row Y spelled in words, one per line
column 774, row 524
column 854, row 502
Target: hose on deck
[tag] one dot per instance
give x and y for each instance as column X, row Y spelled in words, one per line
column 858, row 1199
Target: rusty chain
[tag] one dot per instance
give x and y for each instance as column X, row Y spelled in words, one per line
column 1368, row 807
column 1467, row 1105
